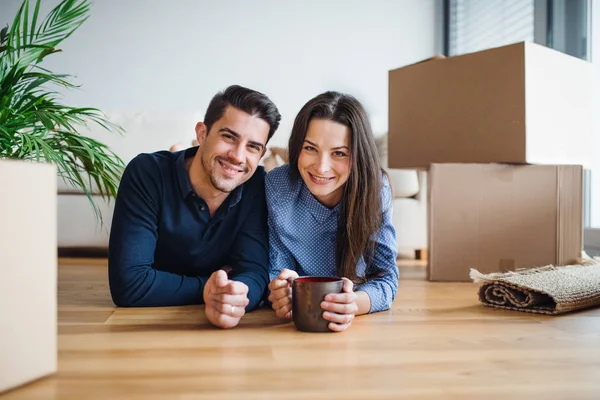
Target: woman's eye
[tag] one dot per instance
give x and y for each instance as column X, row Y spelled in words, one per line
column 309, row 148
column 340, row 154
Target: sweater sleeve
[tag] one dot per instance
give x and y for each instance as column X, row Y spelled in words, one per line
column 134, row 233
column 250, row 254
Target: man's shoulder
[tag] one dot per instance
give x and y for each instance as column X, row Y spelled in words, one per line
column 147, row 169
column 256, row 183
column 158, row 157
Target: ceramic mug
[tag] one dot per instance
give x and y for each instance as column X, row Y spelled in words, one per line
column 307, row 294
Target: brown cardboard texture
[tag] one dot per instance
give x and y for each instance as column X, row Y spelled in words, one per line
column 499, row 217
column 522, row 103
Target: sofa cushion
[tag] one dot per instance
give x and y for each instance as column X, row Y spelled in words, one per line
column 405, row 182
column 145, row 132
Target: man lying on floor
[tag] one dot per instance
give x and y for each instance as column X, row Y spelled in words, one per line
column 183, row 219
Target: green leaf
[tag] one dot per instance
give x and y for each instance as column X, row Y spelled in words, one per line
column 34, row 124
column 4, row 35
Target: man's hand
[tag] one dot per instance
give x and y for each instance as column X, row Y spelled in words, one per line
column 281, row 293
column 225, row 300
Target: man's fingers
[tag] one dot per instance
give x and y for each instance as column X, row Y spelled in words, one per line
column 230, row 309
column 220, row 278
column 233, row 287
column 224, row 321
column 227, row 269
column 238, row 300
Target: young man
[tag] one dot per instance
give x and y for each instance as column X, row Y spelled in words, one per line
column 191, row 227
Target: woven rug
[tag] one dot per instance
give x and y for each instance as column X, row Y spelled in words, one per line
column 545, row 290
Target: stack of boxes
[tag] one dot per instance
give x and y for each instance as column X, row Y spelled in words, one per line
column 504, row 134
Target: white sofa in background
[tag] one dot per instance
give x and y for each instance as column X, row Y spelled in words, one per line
column 80, row 230
column 145, row 132
column 410, row 205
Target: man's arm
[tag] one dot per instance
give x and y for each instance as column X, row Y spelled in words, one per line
column 249, row 258
column 133, row 237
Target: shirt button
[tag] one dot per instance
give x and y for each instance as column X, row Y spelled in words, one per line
column 202, row 208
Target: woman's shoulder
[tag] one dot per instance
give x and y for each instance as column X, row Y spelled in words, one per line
column 278, row 175
column 280, row 187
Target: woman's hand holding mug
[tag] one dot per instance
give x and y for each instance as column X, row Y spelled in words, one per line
column 340, row 308
column 280, row 294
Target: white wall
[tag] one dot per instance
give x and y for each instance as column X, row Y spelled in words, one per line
column 175, row 55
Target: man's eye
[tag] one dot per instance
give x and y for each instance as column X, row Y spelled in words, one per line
column 255, row 148
column 228, row 136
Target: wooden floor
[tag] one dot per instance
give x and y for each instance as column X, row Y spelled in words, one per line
column 437, row 342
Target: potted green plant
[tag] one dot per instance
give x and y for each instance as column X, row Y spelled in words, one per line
column 40, row 141
column 34, row 124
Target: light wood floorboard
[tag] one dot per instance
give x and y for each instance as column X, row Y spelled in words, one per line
column 436, row 342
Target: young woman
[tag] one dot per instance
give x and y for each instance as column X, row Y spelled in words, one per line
column 330, row 212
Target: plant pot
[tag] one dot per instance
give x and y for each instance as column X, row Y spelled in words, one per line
column 28, row 272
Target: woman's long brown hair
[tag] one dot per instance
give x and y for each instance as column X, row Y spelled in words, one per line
column 361, row 209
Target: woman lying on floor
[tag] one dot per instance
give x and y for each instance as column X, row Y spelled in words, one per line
column 330, row 212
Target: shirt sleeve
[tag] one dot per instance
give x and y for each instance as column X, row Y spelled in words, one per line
column 250, row 257
column 133, row 236
column 382, row 290
column 279, row 256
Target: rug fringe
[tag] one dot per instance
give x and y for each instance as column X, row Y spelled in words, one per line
column 583, row 261
column 477, row 276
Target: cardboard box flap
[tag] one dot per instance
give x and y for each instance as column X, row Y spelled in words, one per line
column 437, row 57
column 509, row 104
column 570, row 213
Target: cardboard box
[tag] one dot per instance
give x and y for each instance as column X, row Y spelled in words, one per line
column 499, row 217
column 28, row 268
column 522, row 103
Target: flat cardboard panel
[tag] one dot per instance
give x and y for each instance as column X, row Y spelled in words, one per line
column 510, row 104
column 499, row 217
column 570, row 223
column 28, row 268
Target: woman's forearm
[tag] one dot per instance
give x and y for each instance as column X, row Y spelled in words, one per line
column 363, row 302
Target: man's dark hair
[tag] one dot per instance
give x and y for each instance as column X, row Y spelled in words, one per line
column 244, row 99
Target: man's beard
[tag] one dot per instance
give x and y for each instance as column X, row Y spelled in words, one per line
column 224, row 185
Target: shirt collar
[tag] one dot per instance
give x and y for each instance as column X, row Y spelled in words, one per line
column 318, row 210
column 185, row 185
